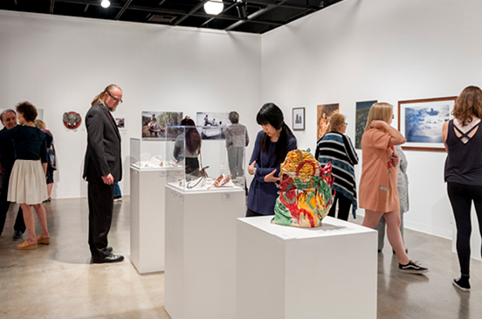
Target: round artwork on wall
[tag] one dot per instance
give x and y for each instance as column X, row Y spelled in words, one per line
column 72, row 120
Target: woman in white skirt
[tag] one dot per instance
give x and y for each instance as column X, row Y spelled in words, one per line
column 27, row 180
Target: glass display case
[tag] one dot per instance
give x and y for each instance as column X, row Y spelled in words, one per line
column 205, row 161
column 149, row 154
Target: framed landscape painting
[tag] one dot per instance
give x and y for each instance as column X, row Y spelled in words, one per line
column 421, row 121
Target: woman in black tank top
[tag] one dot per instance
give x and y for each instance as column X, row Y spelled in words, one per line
column 463, row 172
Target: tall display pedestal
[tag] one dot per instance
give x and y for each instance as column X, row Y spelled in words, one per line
column 292, row 273
column 147, row 219
column 200, row 276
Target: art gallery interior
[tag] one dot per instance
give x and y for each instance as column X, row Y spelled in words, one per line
column 351, row 51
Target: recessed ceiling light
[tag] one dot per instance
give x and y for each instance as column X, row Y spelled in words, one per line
column 105, row 4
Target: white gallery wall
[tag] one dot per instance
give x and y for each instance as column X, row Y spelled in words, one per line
column 384, row 50
column 60, row 63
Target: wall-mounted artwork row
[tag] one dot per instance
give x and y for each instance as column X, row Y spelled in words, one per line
column 421, row 121
column 214, row 125
column 325, row 111
column 362, row 110
column 154, row 123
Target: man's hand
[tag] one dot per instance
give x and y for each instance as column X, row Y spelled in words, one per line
column 109, row 179
column 395, row 159
column 251, row 168
column 270, row 178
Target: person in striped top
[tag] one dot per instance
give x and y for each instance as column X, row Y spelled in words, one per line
column 337, row 148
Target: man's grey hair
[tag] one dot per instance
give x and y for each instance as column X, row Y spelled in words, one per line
column 6, row 111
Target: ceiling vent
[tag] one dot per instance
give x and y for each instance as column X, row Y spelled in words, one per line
column 162, row 18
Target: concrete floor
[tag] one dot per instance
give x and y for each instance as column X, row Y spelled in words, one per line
column 58, row 281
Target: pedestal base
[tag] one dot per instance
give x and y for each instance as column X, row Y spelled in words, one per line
column 147, row 219
column 292, row 273
column 201, row 252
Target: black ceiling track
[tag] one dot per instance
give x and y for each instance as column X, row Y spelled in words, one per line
column 252, row 16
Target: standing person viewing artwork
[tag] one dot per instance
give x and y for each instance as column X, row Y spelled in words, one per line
column 462, row 137
column 27, row 181
column 236, row 139
column 270, row 149
column 402, row 187
column 190, row 149
column 102, row 168
column 378, row 183
column 337, row 148
column 7, row 157
column 50, row 157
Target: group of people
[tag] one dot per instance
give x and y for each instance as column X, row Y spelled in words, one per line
column 383, row 189
column 24, row 152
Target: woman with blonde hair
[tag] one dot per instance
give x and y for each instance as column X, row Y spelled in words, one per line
column 337, row 148
column 378, row 183
column 463, row 172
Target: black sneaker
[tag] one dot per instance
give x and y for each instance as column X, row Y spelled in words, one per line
column 412, row 268
column 462, row 283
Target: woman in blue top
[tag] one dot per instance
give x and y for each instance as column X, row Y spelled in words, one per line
column 27, row 181
column 270, row 149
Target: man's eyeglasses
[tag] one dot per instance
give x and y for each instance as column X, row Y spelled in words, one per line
column 117, row 100
column 346, row 124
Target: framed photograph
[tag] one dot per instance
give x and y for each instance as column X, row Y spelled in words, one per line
column 121, row 123
column 362, row 110
column 299, row 119
column 154, row 123
column 325, row 111
column 421, row 121
column 214, row 125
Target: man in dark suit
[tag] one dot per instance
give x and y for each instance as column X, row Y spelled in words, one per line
column 102, row 168
column 7, row 157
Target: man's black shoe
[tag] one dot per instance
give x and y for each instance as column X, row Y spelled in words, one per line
column 109, row 249
column 109, row 259
column 17, row 234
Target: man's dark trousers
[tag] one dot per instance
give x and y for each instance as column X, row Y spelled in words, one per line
column 101, row 206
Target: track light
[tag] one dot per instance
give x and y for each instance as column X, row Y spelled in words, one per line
column 105, row 4
column 214, row 7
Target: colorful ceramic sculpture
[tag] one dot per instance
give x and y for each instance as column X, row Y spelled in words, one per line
column 305, row 195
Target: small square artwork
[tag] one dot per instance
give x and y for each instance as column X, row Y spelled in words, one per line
column 121, row 123
column 299, row 118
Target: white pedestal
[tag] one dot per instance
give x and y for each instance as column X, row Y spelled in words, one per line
column 475, row 239
column 200, row 252
column 147, row 219
column 292, row 273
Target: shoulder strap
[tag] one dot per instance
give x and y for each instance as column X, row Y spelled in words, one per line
column 466, row 135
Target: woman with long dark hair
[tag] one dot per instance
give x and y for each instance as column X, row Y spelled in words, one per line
column 193, row 148
column 463, row 172
column 270, row 149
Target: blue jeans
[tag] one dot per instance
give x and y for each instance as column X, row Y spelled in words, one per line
column 117, row 191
